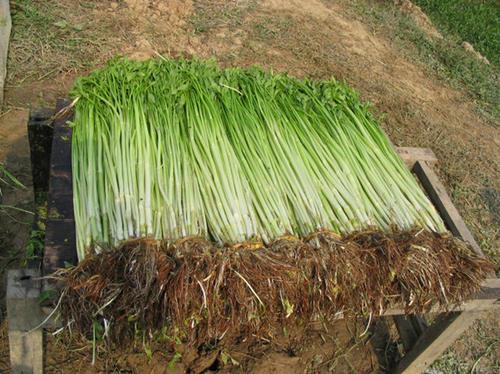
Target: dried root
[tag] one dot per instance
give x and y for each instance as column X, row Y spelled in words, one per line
column 199, row 293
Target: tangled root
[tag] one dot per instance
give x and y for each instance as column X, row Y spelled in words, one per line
column 197, row 292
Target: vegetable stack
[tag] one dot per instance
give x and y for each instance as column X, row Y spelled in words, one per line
column 169, row 149
column 240, row 203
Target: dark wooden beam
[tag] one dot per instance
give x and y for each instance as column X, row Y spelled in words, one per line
column 60, row 237
column 40, row 132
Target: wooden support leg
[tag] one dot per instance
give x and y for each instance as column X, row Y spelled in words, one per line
column 435, row 340
column 24, row 314
column 409, row 328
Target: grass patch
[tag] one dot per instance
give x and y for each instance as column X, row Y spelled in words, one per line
column 209, row 15
column 477, row 22
column 51, row 37
column 444, row 57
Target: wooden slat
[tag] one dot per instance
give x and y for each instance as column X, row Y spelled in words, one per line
column 434, row 341
column 411, row 155
column 441, row 200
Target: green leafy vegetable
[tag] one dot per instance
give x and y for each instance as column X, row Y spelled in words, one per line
column 175, row 148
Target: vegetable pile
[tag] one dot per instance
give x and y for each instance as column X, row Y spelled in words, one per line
column 213, row 204
column 169, row 149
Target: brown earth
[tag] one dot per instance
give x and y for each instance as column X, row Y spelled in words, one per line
column 314, row 38
column 14, row 225
column 323, row 349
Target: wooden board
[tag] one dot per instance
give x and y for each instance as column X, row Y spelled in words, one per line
column 411, row 155
column 5, row 27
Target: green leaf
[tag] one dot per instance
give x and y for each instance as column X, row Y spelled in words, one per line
column 177, row 356
column 224, row 357
column 98, row 330
column 46, row 295
column 61, row 24
column 149, row 353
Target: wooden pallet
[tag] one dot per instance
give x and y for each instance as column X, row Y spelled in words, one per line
column 422, row 343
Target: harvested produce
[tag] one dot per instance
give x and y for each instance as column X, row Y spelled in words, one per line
column 174, row 148
column 217, row 204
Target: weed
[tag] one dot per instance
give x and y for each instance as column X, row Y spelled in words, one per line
column 176, row 358
column 34, row 248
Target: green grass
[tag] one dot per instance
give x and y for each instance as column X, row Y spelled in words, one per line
column 209, row 15
column 444, row 57
column 477, row 22
column 48, row 38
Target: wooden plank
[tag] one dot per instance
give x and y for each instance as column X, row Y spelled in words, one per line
column 61, row 206
column 60, row 237
column 441, row 200
column 24, row 316
column 411, row 155
column 60, row 244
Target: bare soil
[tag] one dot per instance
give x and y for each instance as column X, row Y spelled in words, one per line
column 14, row 225
column 314, row 38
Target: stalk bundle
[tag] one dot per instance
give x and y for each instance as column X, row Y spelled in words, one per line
column 168, row 149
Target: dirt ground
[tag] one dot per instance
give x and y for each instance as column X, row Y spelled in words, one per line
column 53, row 42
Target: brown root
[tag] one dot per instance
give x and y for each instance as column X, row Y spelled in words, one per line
column 198, row 293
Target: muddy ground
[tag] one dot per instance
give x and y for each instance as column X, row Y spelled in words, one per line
column 53, row 42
